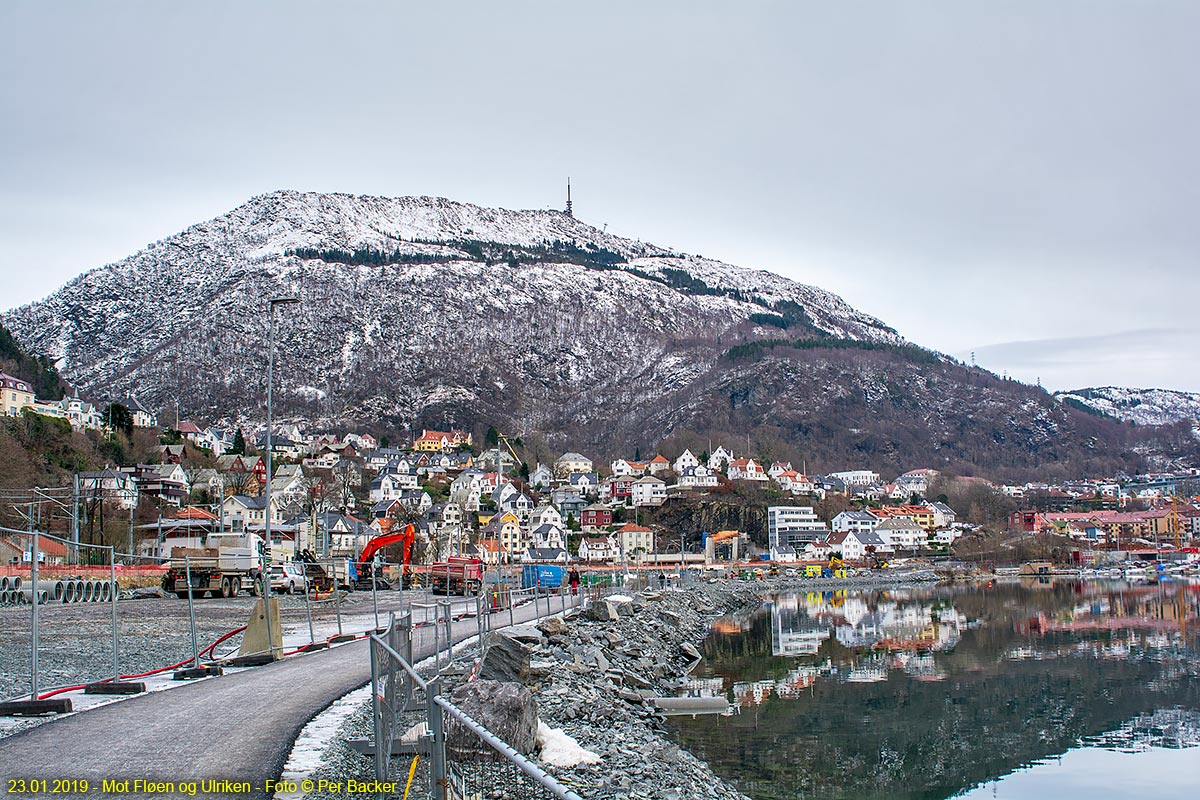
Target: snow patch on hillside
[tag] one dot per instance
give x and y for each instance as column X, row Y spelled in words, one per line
column 1140, row 406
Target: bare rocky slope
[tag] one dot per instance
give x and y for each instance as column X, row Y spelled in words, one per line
column 1139, row 406
column 426, row 312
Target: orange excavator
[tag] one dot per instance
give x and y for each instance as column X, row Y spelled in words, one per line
column 364, row 566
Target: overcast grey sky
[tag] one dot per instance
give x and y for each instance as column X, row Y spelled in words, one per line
column 1017, row 179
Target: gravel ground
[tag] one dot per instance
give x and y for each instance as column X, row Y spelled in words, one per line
column 75, row 640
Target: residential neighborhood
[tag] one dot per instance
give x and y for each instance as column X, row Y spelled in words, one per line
column 330, row 493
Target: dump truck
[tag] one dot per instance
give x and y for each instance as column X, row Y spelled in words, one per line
column 228, row 565
column 456, row 575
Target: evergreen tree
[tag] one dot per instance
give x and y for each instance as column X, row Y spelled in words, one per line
column 239, row 444
column 119, row 418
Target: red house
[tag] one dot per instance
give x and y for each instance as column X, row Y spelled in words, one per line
column 595, row 516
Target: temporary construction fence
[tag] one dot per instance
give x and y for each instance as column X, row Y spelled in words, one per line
column 50, row 649
column 412, row 719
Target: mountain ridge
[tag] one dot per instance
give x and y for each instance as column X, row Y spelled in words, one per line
column 430, row 312
column 1140, row 406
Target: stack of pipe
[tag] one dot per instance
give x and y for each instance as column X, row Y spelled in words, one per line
column 15, row 591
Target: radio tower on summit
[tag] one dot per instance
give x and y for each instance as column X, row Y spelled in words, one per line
column 568, row 210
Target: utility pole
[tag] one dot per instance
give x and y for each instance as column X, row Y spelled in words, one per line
column 75, row 518
column 266, row 548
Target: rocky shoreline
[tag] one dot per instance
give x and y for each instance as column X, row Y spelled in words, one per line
column 594, row 675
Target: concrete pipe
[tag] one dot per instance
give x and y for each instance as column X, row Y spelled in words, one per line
column 14, row 583
column 5, row 598
column 110, row 591
column 53, row 588
column 98, row 591
column 78, row 591
column 88, row 593
column 3, row 583
column 18, row 598
column 70, row 592
column 41, row 596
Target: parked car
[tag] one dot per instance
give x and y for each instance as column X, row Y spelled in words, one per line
column 289, row 578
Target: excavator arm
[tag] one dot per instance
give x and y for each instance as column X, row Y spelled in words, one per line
column 407, row 536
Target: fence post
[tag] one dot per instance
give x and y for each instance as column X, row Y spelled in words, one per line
column 112, row 578
column 374, row 598
column 479, row 623
column 437, row 729
column 337, row 597
column 33, row 601
column 187, row 567
column 449, row 632
column 312, row 639
column 437, row 650
column 377, row 715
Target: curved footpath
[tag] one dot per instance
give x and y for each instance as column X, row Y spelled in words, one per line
column 237, row 727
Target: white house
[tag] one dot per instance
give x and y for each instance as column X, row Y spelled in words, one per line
column 548, row 536
column 623, row 467
column 649, row 491
column 586, row 484
column 599, row 548
column 568, row 463
column 901, row 533
column 855, row 521
column 697, row 477
column 240, row 513
column 778, row 468
column 635, row 538
column 545, row 515
column 943, row 515
column 856, row 477
column 542, row 477
column 746, row 469
column 853, row 545
column 657, row 465
column 720, row 459
column 685, row 460
column 390, row 485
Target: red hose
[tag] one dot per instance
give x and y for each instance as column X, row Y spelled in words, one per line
column 209, row 649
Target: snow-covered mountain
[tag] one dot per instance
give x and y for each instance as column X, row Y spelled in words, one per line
column 1140, row 406
column 426, row 312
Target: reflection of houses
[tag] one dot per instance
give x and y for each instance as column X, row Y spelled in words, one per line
column 794, row 633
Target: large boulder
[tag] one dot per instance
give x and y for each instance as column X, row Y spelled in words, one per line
column 507, row 658
column 506, row 709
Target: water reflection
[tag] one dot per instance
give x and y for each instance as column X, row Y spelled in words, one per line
column 930, row 692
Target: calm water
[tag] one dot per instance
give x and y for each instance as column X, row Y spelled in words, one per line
column 1050, row 690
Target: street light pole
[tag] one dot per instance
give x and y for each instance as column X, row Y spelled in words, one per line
column 266, row 548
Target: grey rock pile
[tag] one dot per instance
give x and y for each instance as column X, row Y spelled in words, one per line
column 595, row 673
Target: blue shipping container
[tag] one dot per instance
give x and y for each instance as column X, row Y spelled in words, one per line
column 542, row 575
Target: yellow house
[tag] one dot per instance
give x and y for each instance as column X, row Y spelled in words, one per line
column 16, row 394
column 433, row 442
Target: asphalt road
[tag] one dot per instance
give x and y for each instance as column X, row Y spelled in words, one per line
column 239, row 727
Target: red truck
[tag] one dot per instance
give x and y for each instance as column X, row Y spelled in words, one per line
column 456, row 575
